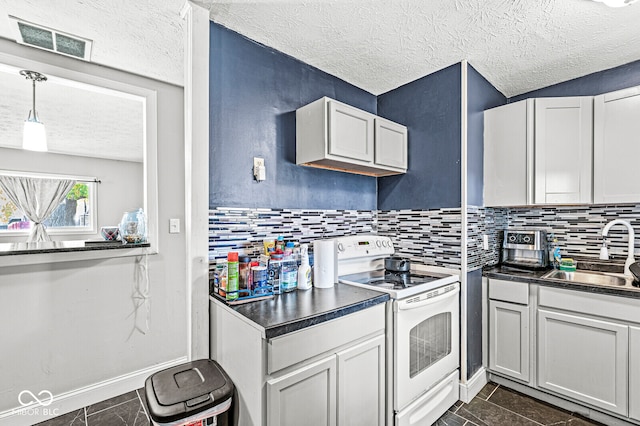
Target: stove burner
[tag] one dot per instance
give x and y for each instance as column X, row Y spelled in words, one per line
column 393, row 280
column 399, row 279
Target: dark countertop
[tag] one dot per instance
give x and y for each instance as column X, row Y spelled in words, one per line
column 11, row 249
column 535, row 277
column 299, row 309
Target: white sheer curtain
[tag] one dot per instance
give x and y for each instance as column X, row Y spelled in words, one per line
column 37, row 198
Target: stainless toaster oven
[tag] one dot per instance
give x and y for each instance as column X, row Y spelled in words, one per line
column 525, row 248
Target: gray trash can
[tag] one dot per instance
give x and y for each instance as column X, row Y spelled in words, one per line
column 197, row 393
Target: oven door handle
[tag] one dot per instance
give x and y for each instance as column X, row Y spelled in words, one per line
column 406, row 305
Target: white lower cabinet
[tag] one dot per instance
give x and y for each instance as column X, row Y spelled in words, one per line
column 332, row 373
column 361, row 384
column 347, row 387
column 305, row 396
column 584, row 358
column 634, row 373
column 509, row 339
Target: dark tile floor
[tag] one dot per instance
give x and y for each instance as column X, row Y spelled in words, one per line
column 496, row 406
column 493, row 406
column 123, row 410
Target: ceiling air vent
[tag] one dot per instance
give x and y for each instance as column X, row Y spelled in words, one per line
column 48, row 39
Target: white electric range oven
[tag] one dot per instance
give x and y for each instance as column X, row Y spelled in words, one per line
column 423, row 329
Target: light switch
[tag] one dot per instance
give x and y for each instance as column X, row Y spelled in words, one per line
column 174, row 226
column 485, row 242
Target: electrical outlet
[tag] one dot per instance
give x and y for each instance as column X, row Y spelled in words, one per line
column 259, row 171
column 485, row 242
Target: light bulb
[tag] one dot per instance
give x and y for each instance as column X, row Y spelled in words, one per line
column 35, row 136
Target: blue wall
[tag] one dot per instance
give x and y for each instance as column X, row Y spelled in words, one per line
column 254, row 92
column 474, row 322
column 610, row 80
column 430, row 108
column 481, row 95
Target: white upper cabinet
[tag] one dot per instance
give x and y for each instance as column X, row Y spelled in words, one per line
column 563, row 150
column 538, row 151
column 508, row 138
column 350, row 132
column 336, row 136
column 390, row 144
column 617, row 147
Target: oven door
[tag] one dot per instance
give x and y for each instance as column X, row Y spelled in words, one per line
column 426, row 342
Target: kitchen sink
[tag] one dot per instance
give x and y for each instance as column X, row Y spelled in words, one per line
column 588, row 277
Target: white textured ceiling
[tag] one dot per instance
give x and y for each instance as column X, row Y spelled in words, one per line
column 144, row 37
column 82, row 121
column 141, row 37
column 378, row 45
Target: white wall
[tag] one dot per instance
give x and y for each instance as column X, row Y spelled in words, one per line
column 67, row 325
column 121, row 189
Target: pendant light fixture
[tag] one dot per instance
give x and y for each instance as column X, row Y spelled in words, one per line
column 35, row 137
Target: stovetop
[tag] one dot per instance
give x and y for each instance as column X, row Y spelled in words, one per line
column 398, row 284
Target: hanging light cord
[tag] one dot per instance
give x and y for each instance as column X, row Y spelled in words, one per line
column 141, row 297
column 34, row 76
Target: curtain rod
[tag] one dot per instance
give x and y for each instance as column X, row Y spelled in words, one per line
column 38, row 175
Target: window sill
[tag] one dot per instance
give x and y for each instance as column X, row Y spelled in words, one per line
column 17, row 254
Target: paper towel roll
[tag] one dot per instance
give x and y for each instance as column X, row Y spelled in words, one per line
column 324, row 263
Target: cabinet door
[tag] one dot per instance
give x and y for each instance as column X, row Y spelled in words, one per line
column 508, row 154
column 634, row 373
column 390, row 144
column 361, row 384
column 509, row 339
column 583, row 358
column 616, row 147
column 306, row 394
column 563, row 150
column 350, row 132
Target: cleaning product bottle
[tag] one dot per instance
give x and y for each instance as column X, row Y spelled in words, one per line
column 232, row 275
column 555, row 256
column 304, row 270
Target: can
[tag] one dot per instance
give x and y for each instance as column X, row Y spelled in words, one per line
column 259, row 274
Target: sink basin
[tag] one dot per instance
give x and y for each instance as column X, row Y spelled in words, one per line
column 587, row 277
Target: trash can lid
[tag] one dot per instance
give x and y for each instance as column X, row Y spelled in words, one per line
column 186, row 389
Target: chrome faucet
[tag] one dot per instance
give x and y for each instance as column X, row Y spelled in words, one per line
column 604, row 253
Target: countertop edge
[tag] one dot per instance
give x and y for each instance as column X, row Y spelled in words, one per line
column 520, row 276
column 273, row 331
column 304, row 322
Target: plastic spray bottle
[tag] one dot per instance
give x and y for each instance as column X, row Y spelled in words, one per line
column 304, row 270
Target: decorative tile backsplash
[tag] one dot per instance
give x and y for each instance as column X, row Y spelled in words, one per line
column 579, row 228
column 243, row 230
column 429, row 237
column 482, row 221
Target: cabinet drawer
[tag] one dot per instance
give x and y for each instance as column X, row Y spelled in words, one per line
column 296, row 347
column 603, row 305
column 509, row 291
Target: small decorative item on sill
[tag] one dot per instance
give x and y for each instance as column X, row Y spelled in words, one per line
column 110, row 233
column 133, row 227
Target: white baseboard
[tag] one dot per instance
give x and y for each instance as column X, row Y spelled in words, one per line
column 473, row 386
column 74, row 400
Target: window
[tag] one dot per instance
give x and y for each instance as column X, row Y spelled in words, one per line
column 76, row 214
column 429, row 342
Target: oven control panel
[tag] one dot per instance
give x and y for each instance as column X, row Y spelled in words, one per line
column 362, row 246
